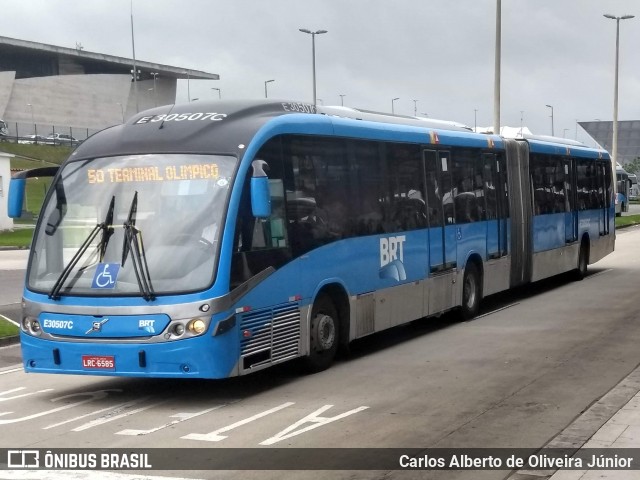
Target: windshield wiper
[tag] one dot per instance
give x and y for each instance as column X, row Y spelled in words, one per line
column 107, row 231
column 133, row 242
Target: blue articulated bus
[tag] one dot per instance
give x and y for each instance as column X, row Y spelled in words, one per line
column 211, row 240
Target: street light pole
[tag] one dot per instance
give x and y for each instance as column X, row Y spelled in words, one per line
column 155, row 97
column 496, row 82
column 135, row 69
column 313, row 56
column 552, row 131
column 265, row 87
column 35, row 128
column 342, row 95
column 121, row 110
column 188, row 86
column 614, row 152
column 415, row 108
column 219, row 94
column 392, row 101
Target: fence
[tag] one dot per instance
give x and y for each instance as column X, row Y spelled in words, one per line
column 46, row 134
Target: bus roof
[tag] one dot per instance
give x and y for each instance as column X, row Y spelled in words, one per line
column 227, row 127
column 560, row 146
column 359, row 114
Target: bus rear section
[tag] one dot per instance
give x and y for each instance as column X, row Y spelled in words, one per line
column 562, row 208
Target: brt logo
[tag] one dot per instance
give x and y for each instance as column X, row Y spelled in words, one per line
column 392, row 258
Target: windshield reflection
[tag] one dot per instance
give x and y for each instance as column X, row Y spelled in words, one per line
column 179, row 203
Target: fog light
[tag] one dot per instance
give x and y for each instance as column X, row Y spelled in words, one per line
column 178, row 329
column 34, row 326
column 197, row 326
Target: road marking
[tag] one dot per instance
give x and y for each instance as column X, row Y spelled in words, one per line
column 111, row 418
column 593, row 275
column 180, row 416
column 498, row 309
column 111, row 407
column 9, row 320
column 312, row 418
column 77, row 475
column 13, row 390
column 100, row 394
column 11, row 370
column 5, row 399
column 215, row 435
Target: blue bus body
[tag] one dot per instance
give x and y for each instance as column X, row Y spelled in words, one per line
column 425, row 220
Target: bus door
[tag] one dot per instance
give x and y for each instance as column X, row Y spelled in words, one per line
column 442, row 230
column 494, row 178
column 571, row 211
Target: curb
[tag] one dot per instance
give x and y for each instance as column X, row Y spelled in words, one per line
column 7, row 341
column 576, row 434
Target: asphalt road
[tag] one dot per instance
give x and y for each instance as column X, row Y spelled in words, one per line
column 514, row 377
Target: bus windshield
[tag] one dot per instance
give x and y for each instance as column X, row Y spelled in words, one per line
column 111, row 224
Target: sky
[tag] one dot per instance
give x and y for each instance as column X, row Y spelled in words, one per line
column 440, row 53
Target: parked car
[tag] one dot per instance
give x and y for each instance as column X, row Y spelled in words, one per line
column 34, row 139
column 62, row 138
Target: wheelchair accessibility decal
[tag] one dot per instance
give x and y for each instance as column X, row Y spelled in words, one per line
column 106, row 275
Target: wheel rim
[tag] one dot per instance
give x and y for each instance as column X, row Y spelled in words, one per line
column 325, row 332
column 470, row 291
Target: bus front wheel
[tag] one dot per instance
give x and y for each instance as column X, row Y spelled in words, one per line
column 471, row 292
column 323, row 335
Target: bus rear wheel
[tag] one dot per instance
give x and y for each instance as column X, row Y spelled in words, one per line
column 583, row 261
column 323, row 335
column 471, row 292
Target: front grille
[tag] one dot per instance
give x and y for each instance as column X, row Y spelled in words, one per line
column 275, row 335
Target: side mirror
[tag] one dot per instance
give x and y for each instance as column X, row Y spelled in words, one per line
column 17, row 187
column 16, row 197
column 260, row 195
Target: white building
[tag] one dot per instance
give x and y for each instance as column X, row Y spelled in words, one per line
column 66, row 89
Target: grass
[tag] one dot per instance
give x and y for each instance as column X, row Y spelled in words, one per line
column 20, row 237
column 627, row 220
column 7, row 329
column 35, row 155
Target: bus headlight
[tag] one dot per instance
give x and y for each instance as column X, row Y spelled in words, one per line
column 197, row 326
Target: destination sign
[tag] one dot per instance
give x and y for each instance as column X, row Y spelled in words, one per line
column 152, row 173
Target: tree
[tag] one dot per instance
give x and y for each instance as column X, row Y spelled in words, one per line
column 633, row 166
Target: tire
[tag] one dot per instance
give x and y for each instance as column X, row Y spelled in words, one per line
column 324, row 338
column 583, row 262
column 471, row 292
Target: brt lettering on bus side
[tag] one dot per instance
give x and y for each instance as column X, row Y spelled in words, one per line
column 392, row 258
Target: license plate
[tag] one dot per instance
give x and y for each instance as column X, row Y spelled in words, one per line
column 98, row 362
